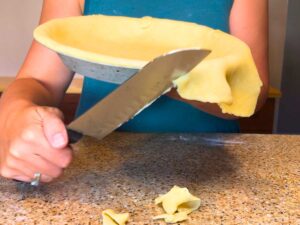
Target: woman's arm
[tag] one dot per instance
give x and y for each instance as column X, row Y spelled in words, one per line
column 32, row 135
column 43, row 65
column 248, row 22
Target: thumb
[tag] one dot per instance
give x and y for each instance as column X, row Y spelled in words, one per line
column 53, row 126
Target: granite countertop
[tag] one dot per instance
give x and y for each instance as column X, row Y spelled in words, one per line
column 241, row 179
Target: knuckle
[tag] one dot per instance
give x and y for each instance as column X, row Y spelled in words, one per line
column 28, row 135
column 67, row 159
column 63, row 158
column 58, row 112
column 56, row 124
column 16, row 150
column 6, row 172
column 57, row 172
column 46, row 178
column 55, row 111
column 10, row 162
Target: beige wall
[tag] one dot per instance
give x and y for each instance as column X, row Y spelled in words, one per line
column 17, row 21
column 19, row 17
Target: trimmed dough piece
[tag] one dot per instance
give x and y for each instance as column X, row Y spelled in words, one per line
column 177, row 217
column 228, row 76
column 177, row 203
column 112, row 218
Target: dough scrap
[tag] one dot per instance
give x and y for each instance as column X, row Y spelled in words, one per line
column 111, row 218
column 177, row 217
column 177, row 203
column 228, row 76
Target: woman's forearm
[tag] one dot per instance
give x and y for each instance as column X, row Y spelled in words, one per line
column 249, row 22
column 25, row 91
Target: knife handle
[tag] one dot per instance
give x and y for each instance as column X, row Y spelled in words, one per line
column 74, row 136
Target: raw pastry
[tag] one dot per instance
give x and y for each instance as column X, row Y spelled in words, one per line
column 112, row 218
column 228, row 76
column 174, row 218
column 177, row 203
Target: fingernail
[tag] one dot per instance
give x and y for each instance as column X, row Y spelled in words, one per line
column 58, row 140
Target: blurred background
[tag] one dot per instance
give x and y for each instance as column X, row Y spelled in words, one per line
column 281, row 114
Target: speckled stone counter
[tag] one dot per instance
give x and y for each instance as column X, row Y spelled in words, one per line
column 241, row 179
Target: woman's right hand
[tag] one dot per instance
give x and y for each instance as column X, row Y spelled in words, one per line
column 33, row 139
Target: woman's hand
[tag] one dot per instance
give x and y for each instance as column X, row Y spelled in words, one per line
column 211, row 108
column 33, row 139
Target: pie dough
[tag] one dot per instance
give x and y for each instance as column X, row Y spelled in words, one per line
column 228, row 76
column 177, row 204
column 111, row 218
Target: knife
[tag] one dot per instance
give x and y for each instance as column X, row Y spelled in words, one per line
column 130, row 98
column 135, row 94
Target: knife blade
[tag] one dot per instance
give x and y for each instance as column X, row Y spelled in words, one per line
column 135, row 94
